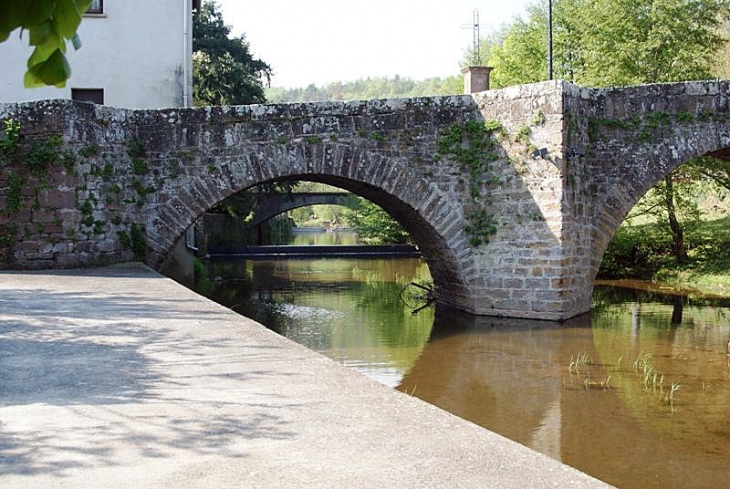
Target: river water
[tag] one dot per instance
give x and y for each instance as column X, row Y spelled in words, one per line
column 637, row 393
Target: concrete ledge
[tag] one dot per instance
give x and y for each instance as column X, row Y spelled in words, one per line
column 118, row 377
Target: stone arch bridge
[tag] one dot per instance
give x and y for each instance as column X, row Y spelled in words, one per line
column 91, row 185
column 273, row 205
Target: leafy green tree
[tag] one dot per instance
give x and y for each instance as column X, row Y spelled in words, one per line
column 519, row 51
column 225, row 72
column 50, row 24
column 372, row 224
column 613, row 42
column 721, row 67
column 651, row 41
column 712, row 169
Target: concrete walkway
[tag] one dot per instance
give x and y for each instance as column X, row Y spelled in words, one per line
column 121, row 378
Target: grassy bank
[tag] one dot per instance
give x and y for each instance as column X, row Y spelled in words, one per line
column 644, row 252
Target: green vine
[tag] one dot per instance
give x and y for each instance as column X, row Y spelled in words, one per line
column 137, row 151
column 646, row 123
column 14, row 200
column 472, row 146
column 134, row 240
column 11, row 137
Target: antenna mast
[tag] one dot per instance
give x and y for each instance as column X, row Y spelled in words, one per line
column 476, row 55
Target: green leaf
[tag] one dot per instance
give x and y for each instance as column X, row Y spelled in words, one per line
column 37, row 12
column 39, row 34
column 76, row 41
column 83, row 5
column 53, row 71
column 67, row 17
column 11, row 17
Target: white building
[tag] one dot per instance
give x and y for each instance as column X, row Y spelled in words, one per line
column 135, row 54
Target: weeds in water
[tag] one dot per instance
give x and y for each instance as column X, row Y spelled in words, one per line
column 604, row 384
column 668, row 397
column 654, row 380
column 582, row 360
column 617, row 364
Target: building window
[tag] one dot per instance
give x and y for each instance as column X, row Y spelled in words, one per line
column 95, row 95
column 97, row 7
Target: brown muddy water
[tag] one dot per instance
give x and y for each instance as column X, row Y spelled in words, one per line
column 636, row 394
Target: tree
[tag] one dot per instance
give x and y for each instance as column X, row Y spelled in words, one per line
column 369, row 88
column 225, row 72
column 652, row 41
column 721, row 66
column 373, row 224
column 614, row 42
column 50, row 24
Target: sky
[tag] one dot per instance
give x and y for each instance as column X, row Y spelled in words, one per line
column 322, row 41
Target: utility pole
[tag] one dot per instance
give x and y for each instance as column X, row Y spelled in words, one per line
column 550, row 39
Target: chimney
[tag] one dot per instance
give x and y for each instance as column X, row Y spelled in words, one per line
column 476, row 78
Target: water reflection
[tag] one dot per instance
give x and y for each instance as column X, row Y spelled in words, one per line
column 603, row 415
column 514, row 377
column 347, row 309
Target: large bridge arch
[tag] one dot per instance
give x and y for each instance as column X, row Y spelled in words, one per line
column 424, row 212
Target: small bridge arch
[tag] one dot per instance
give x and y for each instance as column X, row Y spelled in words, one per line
column 273, row 205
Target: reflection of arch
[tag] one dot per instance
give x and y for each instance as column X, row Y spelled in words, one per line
column 273, row 205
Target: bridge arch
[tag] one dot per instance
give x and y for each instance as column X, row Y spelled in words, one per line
column 425, row 213
column 673, row 124
column 274, row 205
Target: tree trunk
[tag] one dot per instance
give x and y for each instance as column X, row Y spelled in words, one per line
column 680, row 252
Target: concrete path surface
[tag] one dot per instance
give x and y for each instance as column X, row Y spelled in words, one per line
column 120, row 378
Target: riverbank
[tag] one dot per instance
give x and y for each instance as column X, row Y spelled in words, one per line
column 643, row 253
column 119, row 377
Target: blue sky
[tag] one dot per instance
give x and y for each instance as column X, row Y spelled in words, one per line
column 321, row 41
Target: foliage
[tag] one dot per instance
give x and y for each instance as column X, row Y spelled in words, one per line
column 645, row 251
column 49, row 23
column 471, row 146
column 372, row 224
column 612, row 42
column 10, row 137
column 721, row 65
column 43, row 155
column 712, row 169
column 636, row 251
column 368, row 88
column 135, row 241
column 644, row 41
column 622, row 42
column 225, row 72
